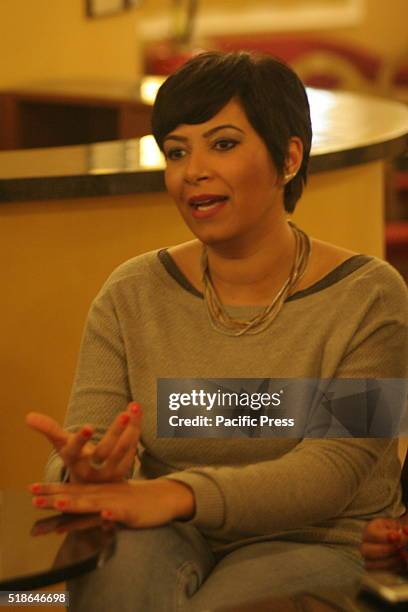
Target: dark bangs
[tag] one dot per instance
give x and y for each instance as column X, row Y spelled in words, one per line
column 196, row 92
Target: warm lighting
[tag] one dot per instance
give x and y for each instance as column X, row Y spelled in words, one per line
column 125, row 156
column 150, row 155
column 149, row 88
column 105, row 158
column 321, row 104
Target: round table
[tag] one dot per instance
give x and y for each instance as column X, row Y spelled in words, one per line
column 40, row 547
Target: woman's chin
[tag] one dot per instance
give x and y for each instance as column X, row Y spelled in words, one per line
column 209, row 234
column 213, row 236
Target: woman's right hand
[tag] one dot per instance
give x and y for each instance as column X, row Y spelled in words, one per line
column 110, row 460
column 384, row 545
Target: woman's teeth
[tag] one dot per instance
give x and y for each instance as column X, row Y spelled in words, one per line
column 210, row 205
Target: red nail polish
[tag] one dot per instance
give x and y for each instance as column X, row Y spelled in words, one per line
column 107, row 514
column 39, row 501
column 405, row 529
column 124, row 419
column 35, row 488
column 135, row 408
column 86, row 432
column 61, row 504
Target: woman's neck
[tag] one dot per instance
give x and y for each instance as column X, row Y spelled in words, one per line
column 252, row 273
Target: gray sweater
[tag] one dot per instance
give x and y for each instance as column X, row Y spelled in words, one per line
column 148, row 322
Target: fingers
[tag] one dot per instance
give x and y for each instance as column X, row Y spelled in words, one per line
column 71, row 451
column 126, row 465
column 115, row 453
column 120, row 515
column 76, row 498
column 47, row 426
column 382, row 538
column 69, row 446
column 379, row 530
column 121, row 439
column 104, row 448
column 79, row 505
column 127, row 443
column 56, row 488
column 137, row 504
column 383, row 545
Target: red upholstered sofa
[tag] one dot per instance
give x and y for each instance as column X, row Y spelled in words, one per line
column 320, row 62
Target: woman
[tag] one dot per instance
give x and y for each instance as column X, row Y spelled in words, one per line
column 228, row 520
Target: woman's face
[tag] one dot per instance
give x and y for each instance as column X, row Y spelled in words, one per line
column 222, row 177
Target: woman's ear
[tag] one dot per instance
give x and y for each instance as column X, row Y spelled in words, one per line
column 293, row 158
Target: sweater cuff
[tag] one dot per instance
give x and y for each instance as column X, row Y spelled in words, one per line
column 209, row 501
column 55, row 471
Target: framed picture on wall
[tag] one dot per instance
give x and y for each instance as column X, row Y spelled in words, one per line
column 104, row 8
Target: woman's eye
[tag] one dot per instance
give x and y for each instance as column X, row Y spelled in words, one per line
column 225, row 144
column 174, row 154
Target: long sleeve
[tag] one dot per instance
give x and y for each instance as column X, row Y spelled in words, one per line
column 100, row 388
column 314, row 482
column 318, row 479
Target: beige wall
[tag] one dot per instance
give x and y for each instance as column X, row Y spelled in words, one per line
column 43, row 39
column 48, row 39
column 383, row 28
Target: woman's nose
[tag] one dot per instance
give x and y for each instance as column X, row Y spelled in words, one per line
column 196, row 169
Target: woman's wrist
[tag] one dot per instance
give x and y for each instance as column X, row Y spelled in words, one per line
column 182, row 499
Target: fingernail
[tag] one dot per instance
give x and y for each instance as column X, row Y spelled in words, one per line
column 124, row 419
column 39, row 501
column 405, row 529
column 86, row 432
column 107, row 514
column 35, row 488
column 394, row 536
column 135, row 408
column 61, row 504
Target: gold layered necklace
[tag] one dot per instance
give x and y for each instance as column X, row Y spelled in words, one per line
column 219, row 317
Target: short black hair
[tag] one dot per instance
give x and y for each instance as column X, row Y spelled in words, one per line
column 270, row 92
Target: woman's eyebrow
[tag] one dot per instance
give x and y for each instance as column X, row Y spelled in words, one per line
column 221, row 127
column 206, row 134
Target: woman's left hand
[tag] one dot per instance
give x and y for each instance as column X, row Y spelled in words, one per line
column 384, row 544
column 136, row 503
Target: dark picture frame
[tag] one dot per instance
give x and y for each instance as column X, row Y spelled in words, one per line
column 107, row 8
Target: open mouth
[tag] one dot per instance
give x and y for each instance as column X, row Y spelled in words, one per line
column 208, row 203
